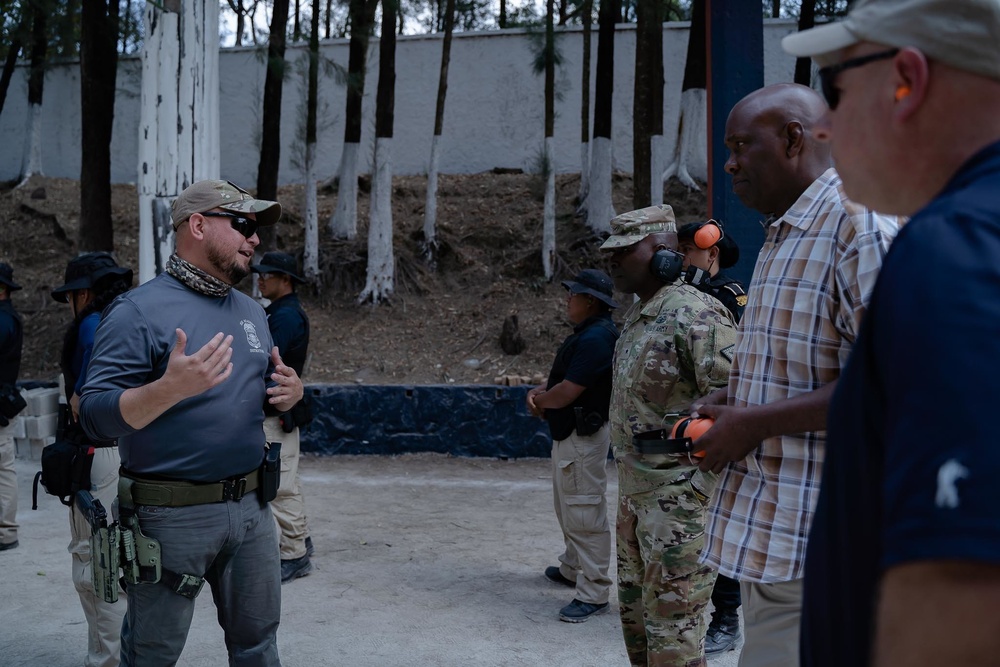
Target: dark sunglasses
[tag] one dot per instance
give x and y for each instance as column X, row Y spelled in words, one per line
column 245, row 226
column 828, row 75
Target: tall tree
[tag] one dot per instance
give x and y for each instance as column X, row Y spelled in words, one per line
column 807, row 19
column 430, row 208
column 643, row 97
column 32, row 156
column 178, row 119
column 587, row 13
column 310, row 254
column 344, row 221
column 270, row 137
column 656, row 106
column 549, row 209
column 690, row 159
column 12, row 33
column 379, row 284
column 98, row 73
column 598, row 207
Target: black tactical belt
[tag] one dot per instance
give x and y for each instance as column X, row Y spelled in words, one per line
column 164, row 493
column 660, row 442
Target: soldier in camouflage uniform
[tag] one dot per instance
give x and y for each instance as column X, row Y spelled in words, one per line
column 675, row 347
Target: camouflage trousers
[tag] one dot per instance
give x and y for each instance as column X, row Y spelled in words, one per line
column 663, row 591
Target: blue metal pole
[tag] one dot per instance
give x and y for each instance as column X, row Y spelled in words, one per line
column 735, row 46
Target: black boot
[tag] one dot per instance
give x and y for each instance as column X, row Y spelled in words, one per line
column 723, row 634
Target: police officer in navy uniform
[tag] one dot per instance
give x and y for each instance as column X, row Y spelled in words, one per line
column 707, row 249
column 11, row 338
column 276, row 278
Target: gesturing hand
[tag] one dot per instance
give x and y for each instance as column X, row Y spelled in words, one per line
column 288, row 390
column 190, row 375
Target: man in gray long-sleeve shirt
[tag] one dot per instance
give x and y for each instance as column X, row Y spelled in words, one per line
column 182, row 371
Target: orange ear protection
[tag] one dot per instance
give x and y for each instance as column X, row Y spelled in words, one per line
column 708, row 234
column 690, row 427
column 901, row 92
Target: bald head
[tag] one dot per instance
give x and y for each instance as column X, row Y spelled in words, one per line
column 774, row 153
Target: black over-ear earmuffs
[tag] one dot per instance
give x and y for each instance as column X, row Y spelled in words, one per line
column 666, row 265
column 708, row 233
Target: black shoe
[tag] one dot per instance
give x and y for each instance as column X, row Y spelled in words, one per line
column 578, row 612
column 4, row 546
column 553, row 574
column 309, row 546
column 295, row 568
column 723, row 635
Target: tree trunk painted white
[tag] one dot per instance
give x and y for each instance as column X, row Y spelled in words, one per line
column 178, row 118
column 584, row 171
column 690, row 160
column 549, row 212
column 310, row 254
column 600, row 210
column 430, row 207
column 344, row 221
column 381, row 264
column 656, row 169
column 32, row 162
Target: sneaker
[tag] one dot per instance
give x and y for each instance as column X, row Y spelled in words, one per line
column 578, row 612
column 309, row 546
column 553, row 574
column 723, row 635
column 4, row 546
column 295, row 568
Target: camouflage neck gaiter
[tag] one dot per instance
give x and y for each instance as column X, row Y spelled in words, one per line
column 195, row 278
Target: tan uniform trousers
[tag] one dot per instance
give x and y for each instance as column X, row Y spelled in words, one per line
column 579, row 483
column 288, row 508
column 8, row 486
column 104, row 619
column 771, row 615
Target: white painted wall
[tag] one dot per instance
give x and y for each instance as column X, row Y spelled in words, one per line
column 494, row 115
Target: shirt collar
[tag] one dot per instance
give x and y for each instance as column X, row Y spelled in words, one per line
column 802, row 214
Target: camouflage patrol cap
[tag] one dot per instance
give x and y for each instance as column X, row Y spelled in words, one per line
column 205, row 195
column 630, row 228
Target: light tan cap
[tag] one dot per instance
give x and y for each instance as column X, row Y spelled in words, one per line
column 630, row 228
column 205, row 195
column 964, row 34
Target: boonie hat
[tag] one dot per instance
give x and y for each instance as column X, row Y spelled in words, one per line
column 729, row 252
column 87, row 271
column 278, row 262
column 964, row 34
column 593, row 282
column 630, row 228
column 206, row 195
column 7, row 276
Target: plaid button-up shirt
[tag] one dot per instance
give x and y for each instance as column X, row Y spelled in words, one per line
column 810, row 286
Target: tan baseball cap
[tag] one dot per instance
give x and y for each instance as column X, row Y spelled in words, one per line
column 630, row 228
column 964, row 34
column 206, row 195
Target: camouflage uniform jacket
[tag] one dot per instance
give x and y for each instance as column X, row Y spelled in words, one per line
column 674, row 348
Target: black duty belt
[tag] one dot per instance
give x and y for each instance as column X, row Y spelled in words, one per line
column 166, row 493
column 660, row 442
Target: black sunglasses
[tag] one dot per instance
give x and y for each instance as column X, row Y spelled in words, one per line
column 828, row 75
column 245, row 226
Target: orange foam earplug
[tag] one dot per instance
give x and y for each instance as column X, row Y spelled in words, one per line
column 902, row 92
column 690, row 427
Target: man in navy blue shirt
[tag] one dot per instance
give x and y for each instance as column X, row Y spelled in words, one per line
column 903, row 563
column 575, row 403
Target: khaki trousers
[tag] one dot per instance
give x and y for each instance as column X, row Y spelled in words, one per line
column 104, row 619
column 579, row 483
column 288, row 507
column 8, row 487
column 771, row 614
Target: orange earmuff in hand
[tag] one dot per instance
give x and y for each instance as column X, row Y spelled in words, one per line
column 689, row 427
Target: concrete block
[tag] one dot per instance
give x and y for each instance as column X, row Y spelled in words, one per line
column 15, row 429
column 37, row 445
column 23, row 448
column 43, row 426
column 41, row 401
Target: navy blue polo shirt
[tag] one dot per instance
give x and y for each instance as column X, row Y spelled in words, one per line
column 912, row 459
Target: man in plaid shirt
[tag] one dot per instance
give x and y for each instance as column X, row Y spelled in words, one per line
column 814, row 274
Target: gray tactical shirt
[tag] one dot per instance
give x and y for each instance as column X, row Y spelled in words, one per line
column 208, row 437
